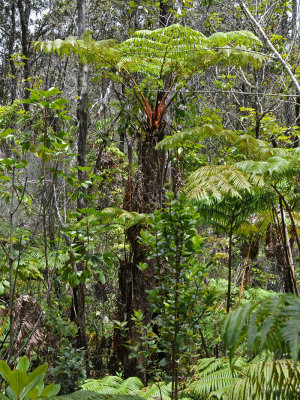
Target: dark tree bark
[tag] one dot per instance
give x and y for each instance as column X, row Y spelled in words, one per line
column 78, row 306
column 143, row 194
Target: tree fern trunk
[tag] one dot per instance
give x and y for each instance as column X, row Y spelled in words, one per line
column 144, row 194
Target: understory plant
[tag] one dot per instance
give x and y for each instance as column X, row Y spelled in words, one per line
column 179, row 297
column 26, row 386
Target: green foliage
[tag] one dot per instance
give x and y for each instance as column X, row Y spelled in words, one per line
column 89, row 395
column 242, row 145
column 26, row 386
column 272, row 324
column 161, row 51
column 238, row 380
column 217, row 181
column 130, row 386
column 179, row 297
column 69, row 371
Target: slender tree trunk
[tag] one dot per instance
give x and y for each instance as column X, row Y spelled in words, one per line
column 294, row 19
column 11, row 43
column 288, row 253
column 24, row 7
column 78, row 306
column 11, row 269
column 296, row 139
column 229, row 269
column 244, row 270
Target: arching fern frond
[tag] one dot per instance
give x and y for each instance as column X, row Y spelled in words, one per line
column 217, row 181
column 115, row 385
column 87, row 49
column 250, row 147
column 274, row 168
column 261, row 379
column 277, row 379
column 174, row 48
column 272, row 324
column 212, row 374
column 156, row 391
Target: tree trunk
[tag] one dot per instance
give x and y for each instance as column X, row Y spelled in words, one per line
column 143, row 194
column 11, row 43
column 78, row 306
column 24, row 7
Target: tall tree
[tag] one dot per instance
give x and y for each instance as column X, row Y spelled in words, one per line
column 78, row 303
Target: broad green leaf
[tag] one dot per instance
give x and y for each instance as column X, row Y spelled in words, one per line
column 50, row 390
column 17, row 382
column 5, row 371
column 23, row 364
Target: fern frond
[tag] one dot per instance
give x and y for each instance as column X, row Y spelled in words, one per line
column 131, row 386
column 108, row 385
column 114, row 385
column 175, row 47
column 272, row 324
column 156, row 390
column 235, row 38
column 277, row 379
column 121, row 217
column 89, row 51
column 217, row 181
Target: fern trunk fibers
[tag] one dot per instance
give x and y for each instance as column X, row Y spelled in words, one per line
column 144, row 194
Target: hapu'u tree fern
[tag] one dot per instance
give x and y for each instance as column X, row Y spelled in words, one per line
column 154, row 66
column 175, row 48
